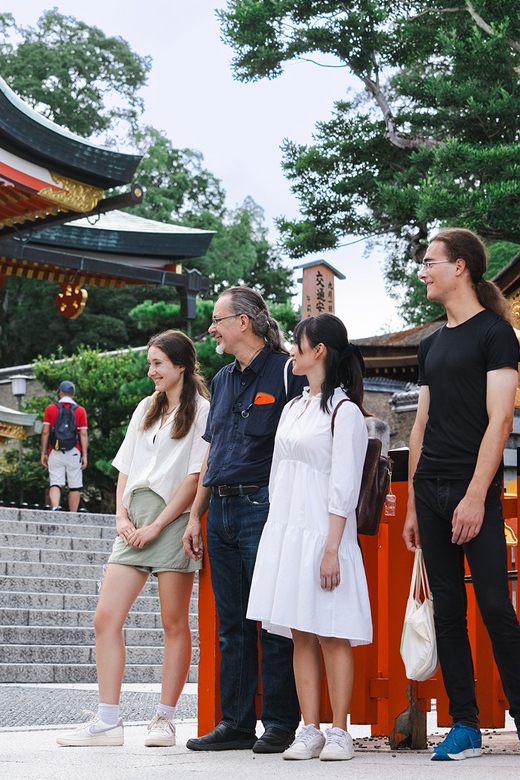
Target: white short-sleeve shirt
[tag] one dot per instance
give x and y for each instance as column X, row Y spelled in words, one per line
column 154, row 460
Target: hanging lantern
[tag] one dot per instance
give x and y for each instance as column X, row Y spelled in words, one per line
column 71, row 301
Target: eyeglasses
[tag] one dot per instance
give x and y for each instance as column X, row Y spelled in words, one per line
column 426, row 266
column 216, row 320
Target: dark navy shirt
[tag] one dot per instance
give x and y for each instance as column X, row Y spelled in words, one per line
column 243, row 416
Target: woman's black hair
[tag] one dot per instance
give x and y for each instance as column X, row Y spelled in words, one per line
column 344, row 366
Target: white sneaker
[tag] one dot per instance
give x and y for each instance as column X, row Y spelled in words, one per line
column 161, row 732
column 338, row 745
column 94, row 732
column 308, row 743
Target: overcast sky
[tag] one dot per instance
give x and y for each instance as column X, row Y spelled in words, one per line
column 239, row 128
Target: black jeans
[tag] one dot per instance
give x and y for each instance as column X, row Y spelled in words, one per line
column 435, row 501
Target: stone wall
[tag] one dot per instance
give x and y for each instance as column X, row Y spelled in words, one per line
column 400, row 423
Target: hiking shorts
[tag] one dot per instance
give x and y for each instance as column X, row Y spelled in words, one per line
column 65, row 468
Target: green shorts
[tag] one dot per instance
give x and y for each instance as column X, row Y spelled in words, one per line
column 165, row 553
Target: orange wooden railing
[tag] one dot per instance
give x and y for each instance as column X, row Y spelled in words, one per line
column 381, row 690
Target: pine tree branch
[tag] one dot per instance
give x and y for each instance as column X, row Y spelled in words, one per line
column 401, row 140
column 479, row 21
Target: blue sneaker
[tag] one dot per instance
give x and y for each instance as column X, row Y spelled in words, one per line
column 462, row 742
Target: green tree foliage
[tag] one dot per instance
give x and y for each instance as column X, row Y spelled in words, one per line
column 72, row 73
column 22, row 480
column 432, row 138
column 79, row 77
column 176, row 183
column 31, row 325
column 178, row 189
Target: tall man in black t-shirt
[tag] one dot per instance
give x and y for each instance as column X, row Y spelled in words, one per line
column 247, row 398
column 468, row 374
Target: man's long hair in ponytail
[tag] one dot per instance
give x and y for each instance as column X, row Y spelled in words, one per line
column 464, row 244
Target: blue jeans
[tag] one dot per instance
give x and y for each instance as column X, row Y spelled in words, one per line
column 435, row 501
column 234, row 529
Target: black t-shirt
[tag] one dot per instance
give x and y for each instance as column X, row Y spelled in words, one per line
column 453, row 363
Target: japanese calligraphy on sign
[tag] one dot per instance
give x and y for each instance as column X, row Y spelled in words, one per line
column 318, row 289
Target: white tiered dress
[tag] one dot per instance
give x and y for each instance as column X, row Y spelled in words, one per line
column 313, row 474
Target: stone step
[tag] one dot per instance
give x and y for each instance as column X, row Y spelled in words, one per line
column 55, row 584
column 51, row 570
column 60, row 578
column 80, row 673
column 54, row 542
column 77, row 636
column 49, row 585
column 35, row 555
column 16, row 616
column 36, row 528
column 47, row 517
column 75, row 602
column 43, row 569
column 79, row 654
column 50, row 567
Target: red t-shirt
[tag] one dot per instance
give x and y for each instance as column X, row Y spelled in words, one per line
column 51, row 413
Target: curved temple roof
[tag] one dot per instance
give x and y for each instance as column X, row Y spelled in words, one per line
column 118, row 232
column 27, row 134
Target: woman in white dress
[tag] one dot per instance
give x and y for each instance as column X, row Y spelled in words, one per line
column 309, row 579
column 159, row 463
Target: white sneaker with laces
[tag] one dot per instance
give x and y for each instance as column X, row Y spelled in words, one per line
column 338, row 745
column 308, row 743
column 161, row 732
column 93, row 733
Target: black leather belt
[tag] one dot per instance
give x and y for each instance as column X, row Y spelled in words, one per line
column 236, row 490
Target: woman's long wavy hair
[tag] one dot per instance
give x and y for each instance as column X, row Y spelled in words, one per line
column 343, row 364
column 244, row 300
column 179, row 349
column 463, row 243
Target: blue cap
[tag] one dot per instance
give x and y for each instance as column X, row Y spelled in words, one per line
column 67, row 387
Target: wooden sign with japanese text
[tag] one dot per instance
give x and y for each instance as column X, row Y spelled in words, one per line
column 318, row 290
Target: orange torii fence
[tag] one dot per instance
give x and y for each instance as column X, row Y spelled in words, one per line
column 381, row 690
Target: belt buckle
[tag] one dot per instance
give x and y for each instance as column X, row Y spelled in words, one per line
column 219, row 489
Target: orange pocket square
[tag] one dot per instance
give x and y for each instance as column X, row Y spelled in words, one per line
column 264, row 398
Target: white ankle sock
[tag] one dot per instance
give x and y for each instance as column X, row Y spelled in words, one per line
column 168, row 711
column 108, row 713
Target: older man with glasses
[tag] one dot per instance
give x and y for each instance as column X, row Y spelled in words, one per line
column 247, row 398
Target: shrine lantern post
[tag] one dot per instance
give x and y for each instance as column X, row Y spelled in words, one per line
column 318, row 287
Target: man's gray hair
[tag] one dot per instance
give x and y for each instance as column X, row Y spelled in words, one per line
column 244, row 300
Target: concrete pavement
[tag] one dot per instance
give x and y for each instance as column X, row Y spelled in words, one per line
column 28, row 750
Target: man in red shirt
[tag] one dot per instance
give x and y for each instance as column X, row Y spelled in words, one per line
column 65, row 465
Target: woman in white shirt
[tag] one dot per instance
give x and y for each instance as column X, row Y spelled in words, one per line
column 309, row 579
column 159, row 463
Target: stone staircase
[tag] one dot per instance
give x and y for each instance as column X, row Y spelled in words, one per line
column 50, row 567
